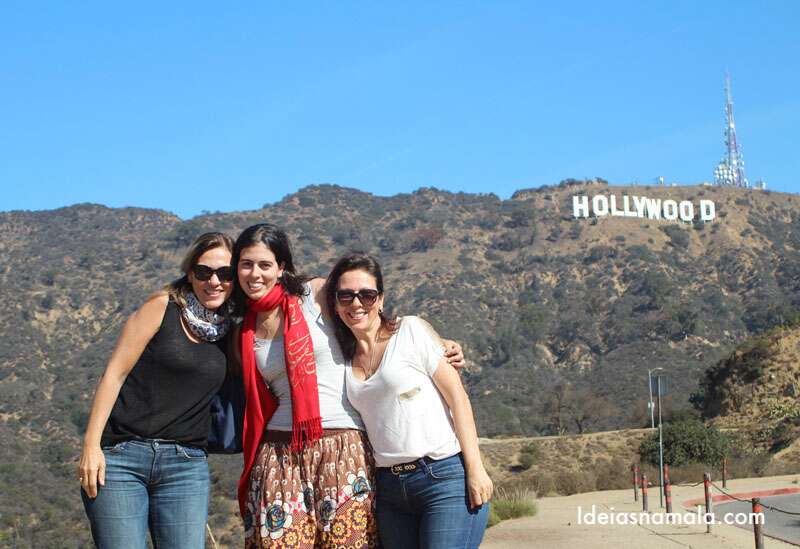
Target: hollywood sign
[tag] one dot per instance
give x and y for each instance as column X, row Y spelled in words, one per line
column 640, row 206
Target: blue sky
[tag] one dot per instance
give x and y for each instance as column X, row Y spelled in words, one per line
column 205, row 106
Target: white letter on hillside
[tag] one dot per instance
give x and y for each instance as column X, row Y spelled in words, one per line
column 626, row 206
column 686, row 209
column 614, row 211
column 653, row 208
column 639, row 202
column 670, row 210
column 580, row 206
column 708, row 210
column 597, row 202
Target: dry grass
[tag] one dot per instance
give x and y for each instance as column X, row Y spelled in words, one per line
column 601, row 461
column 510, row 504
column 565, row 465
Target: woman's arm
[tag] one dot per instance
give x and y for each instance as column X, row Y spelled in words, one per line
column 318, row 295
column 137, row 332
column 479, row 485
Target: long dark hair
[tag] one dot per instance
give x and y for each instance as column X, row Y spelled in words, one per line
column 354, row 261
column 206, row 241
column 278, row 243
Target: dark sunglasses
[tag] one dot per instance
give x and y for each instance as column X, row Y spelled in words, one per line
column 204, row 272
column 366, row 297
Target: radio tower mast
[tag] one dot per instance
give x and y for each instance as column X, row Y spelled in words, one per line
column 730, row 170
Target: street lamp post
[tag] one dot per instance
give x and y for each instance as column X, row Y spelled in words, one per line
column 652, row 426
column 650, row 404
column 660, row 446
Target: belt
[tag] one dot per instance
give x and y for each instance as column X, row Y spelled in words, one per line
column 410, row 467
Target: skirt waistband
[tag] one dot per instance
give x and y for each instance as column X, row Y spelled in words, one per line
column 286, row 436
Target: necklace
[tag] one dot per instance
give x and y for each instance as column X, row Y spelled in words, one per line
column 270, row 324
column 372, row 356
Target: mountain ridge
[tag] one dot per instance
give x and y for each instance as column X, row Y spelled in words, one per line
column 560, row 317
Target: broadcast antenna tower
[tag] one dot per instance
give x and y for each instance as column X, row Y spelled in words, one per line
column 730, row 170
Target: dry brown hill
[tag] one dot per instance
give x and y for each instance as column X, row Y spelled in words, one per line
column 564, row 464
column 560, row 317
column 756, row 389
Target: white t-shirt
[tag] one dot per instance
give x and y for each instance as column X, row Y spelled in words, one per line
column 336, row 411
column 405, row 415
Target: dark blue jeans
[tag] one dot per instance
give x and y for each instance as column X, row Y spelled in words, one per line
column 152, row 484
column 428, row 508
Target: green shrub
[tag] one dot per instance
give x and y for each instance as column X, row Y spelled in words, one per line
column 528, row 455
column 678, row 238
column 511, row 504
column 686, row 441
column 494, row 518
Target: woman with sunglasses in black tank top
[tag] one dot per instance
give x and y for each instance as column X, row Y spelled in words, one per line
column 144, row 464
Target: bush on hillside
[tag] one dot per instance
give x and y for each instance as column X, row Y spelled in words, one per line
column 678, row 237
column 529, row 455
column 686, row 441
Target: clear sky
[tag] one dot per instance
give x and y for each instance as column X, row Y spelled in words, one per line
column 191, row 106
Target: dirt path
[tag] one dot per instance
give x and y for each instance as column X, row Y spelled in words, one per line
column 556, row 524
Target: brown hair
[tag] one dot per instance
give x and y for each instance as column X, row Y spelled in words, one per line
column 354, row 261
column 207, row 241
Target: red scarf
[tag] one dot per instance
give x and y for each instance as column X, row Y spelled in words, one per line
column 301, row 370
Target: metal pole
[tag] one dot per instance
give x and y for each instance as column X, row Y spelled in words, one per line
column 709, row 510
column 668, row 494
column 757, row 531
column 650, row 392
column 660, row 445
column 635, row 471
column 644, row 493
column 724, row 472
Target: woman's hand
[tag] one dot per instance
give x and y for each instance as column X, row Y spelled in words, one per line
column 92, row 470
column 448, row 382
column 479, row 487
column 454, row 354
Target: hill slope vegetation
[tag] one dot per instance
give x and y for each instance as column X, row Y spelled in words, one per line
column 560, row 318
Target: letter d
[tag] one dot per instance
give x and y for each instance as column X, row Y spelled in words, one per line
column 708, row 210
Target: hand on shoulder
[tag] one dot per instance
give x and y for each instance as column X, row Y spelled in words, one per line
column 318, row 294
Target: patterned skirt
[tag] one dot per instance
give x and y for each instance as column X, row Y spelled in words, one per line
column 319, row 497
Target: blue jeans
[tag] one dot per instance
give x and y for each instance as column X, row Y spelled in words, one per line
column 429, row 507
column 152, row 484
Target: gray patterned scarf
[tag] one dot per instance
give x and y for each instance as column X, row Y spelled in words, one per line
column 206, row 324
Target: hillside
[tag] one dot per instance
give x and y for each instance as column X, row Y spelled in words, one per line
column 755, row 390
column 564, row 465
column 560, row 317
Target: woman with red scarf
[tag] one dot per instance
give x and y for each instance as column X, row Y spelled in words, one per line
column 308, row 469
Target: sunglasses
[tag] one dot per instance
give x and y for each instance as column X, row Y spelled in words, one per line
column 204, row 272
column 366, row 297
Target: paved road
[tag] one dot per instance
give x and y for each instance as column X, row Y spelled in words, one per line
column 555, row 526
column 778, row 525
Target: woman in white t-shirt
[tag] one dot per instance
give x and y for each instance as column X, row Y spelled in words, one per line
column 432, row 488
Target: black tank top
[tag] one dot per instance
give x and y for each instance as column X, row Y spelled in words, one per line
column 168, row 392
